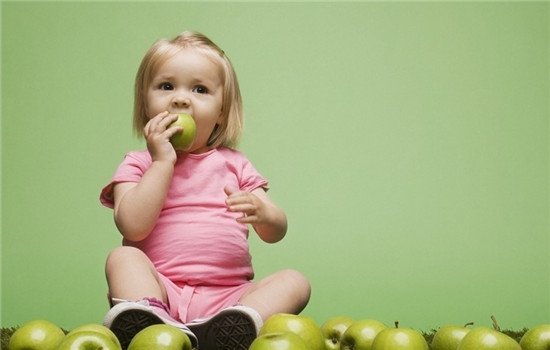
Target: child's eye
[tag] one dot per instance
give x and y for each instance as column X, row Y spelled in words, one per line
column 200, row 89
column 166, row 86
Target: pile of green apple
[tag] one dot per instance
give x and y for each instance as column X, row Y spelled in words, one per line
column 485, row 338
column 287, row 332
column 298, row 332
column 45, row 335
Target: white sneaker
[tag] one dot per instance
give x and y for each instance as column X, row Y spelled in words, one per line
column 233, row 328
column 127, row 318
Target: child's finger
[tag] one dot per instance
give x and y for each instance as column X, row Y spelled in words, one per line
column 248, row 219
column 245, row 208
column 229, row 190
column 153, row 123
column 167, row 120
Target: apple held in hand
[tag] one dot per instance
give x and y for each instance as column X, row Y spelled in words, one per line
column 333, row 329
column 88, row 340
column 184, row 139
column 303, row 326
column 98, row 328
column 36, row 335
column 484, row 338
column 361, row 334
column 160, row 337
column 399, row 339
column 448, row 337
column 537, row 338
column 278, row 341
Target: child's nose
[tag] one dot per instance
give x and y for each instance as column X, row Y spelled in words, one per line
column 180, row 101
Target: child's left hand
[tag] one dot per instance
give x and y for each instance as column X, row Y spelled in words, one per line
column 253, row 208
column 268, row 220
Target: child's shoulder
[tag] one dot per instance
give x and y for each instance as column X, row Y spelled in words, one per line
column 142, row 154
column 141, row 157
column 231, row 153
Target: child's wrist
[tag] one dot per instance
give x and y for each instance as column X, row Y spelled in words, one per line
column 163, row 163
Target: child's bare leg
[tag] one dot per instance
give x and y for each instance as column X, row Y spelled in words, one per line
column 285, row 291
column 132, row 276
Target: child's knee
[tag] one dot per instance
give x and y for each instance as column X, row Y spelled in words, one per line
column 299, row 283
column 121, row 256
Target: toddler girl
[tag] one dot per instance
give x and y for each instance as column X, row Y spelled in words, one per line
column 184, row 216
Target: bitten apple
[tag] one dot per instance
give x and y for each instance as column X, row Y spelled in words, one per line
column 184, row 139
column 36, row 335
column 303, row 326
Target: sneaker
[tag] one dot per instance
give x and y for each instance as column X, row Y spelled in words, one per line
column 127, row 318
column 233, row 328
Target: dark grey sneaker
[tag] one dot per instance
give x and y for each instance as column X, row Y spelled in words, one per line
column 233, row 328
column 127, row 318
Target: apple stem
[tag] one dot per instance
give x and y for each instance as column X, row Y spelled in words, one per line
column 469, row 324
column 396, row 323
column 495, row 323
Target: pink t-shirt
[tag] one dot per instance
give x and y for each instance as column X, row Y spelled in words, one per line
column 196, row 240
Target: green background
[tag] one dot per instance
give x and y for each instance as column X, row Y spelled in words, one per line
column 407, row 142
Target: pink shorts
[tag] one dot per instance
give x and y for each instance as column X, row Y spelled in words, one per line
column 188, row 303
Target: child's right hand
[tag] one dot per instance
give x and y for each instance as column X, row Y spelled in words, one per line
column 157, row 135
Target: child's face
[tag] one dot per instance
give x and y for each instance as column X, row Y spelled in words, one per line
column 189, row 83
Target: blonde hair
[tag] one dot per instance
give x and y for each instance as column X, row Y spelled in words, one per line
column 228, row 131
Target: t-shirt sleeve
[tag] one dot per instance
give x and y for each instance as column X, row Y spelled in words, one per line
column 251, row 179
column 131, row 169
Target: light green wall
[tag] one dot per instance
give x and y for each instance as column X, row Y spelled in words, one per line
column 407, row 142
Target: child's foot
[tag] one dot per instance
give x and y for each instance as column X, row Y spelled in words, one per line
column 233, row 328
column 127, row 318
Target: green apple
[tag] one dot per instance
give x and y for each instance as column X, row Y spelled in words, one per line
column 184, row 139
column 160, row 337
column 94, row 327
column 485, row 338
column 303, row 326
column 278, row 341
column 448, row 337
column 360, row 335
column 537, row 338
column 399, row 339
column 36, row 335
column 88, row 340
column 333, row 329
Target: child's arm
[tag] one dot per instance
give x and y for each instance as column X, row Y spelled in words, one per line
column 269, row 221
column 138, row 205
